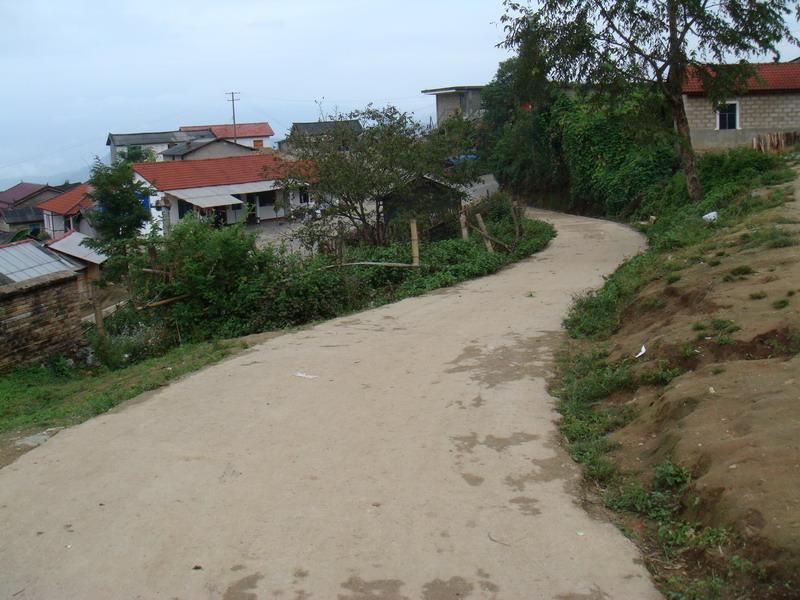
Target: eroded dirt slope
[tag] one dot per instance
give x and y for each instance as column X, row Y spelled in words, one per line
column 731, row 325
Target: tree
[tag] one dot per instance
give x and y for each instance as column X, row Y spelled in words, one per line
column 138, row 154
column 120, row 212
column 351, row 167
column 605, row 43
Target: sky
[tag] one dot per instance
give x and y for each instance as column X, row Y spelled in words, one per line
column 75, row 71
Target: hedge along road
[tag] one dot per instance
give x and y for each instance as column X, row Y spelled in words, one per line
column 408, row 451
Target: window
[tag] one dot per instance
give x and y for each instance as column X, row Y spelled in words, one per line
column 258, row 143
column 304, row 195
column 728, row 116
column 266, row 199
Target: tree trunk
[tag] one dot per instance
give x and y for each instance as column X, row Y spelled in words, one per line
column 684, row 148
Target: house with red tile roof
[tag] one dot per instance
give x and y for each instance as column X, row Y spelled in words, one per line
column 254, row 135
column 66, row 211
column 25, row 193
column 770, row 104
column 233, row 189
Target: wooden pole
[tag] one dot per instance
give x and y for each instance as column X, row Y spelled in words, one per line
column 462, row 218
column 487, row 242
column 412, row 223
column 515, row 217
column 98, row 312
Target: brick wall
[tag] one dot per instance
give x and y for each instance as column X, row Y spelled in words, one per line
column 39, row 318
column 758, row 113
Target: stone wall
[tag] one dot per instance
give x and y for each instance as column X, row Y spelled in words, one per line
column 758, row 114
column 39, row 318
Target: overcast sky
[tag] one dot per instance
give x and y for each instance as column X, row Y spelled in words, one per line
column 75, row 71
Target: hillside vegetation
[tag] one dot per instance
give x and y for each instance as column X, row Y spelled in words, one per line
column 694, row 443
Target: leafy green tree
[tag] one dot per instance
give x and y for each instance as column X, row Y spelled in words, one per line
column 137, row 154
column 118, row 216
column 120, row 213
column 606, row 43
column 350, row 168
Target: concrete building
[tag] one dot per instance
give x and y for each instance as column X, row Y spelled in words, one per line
column 157, row 141
column 255, row 135
column 770, row 104
column 235, row 189
column 205, row 148
column 463, row 99
column 21, row 218
column 318, row 128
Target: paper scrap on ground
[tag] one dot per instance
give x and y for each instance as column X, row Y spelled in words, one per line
column 305, row 375
column 641, row 352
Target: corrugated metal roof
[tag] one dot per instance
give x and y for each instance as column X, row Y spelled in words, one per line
column 156, row 137
column 25, row 260
column 319, row 127
column 71, row 244
column 21, row 214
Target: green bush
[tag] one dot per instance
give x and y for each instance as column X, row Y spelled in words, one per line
column 218, row 284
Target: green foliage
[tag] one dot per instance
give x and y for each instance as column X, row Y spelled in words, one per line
column 662, row 374
column 63, row 394
column 388, row 155
column 120, row 213
column 216, row 283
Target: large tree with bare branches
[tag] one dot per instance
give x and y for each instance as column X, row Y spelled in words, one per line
column 655, row 42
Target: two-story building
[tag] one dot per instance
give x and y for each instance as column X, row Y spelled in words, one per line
column 255, row 135
column 457, row 99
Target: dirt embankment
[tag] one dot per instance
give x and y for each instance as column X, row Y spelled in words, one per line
column 729, row 327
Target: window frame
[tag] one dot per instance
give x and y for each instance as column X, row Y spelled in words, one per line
column 738, row 115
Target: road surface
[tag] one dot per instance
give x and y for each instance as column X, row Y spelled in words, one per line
column 400, row 453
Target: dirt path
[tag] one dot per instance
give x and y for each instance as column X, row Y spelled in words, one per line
column 404, row 452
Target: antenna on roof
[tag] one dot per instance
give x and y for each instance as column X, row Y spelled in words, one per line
column 233, row 100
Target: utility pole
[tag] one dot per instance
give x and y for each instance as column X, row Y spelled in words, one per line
column 233, row 100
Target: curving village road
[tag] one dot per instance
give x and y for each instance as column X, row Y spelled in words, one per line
column 404, row 452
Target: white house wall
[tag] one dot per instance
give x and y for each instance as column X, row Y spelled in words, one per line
column 249, row 141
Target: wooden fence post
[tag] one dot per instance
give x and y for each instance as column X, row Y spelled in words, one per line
column 98, row 312
column 462, row 218
column 487, row 242
column 414, row 242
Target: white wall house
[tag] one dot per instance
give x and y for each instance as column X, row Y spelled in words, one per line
column 65, row 212
column 157, row 141
column 236, row 189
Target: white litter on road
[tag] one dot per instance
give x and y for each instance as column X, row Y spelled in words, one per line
column 305, row 375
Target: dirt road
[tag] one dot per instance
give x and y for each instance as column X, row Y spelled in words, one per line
column 404, row 452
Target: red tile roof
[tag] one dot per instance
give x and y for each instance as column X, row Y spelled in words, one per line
column 770, row 77
column 179, row 174
column 242, row 129
column 69, row 203
column 18, row 192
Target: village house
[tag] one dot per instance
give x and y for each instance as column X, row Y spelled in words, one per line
column 66, row 211
column 157, row 141
column 459, row 99
column 255, row 135
column 205, row 148
column 770, row 104
column 72, row 247
column 25, row 193
column 236, row 189
column 317, row 128
column 22, row 218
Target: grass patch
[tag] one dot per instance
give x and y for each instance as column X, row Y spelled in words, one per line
column 760, row 295
column 780, row 304
column 60, row 394
column 673, row 278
